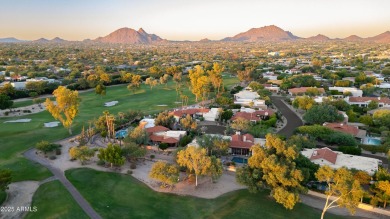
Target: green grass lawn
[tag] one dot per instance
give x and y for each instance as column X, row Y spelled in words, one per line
column 3, row 196
column 54, row 201
column 115, row 195
column 18, row 137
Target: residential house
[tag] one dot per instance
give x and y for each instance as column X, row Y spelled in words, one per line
column 20, row 85
column 212, row 114
column 246, row 96
column 364, row 101
column 348, row 129
column 335, row 160
column 241, row 144
column 353, row 90
column 351, row 79
column 147, row 123
column 253, row 115
column 272, row 88
column 180, row 113
column 161, row 134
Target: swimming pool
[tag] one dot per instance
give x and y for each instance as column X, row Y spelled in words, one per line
column 240, row 160
column 372, row 141
column 121, row 133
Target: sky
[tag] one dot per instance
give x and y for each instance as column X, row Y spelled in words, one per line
column 190, row 19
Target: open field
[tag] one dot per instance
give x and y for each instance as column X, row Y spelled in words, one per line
column 18, row 137
column 54, row 201
column 123, row 196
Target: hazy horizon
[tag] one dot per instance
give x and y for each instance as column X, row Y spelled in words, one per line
column 190, row 20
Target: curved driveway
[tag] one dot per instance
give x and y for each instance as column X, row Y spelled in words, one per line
column 293, row 121
column 30, row 154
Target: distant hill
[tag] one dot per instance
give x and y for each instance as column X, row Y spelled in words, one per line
column 41, row 40
column 319, row 37
column 205, row 40
column 58, row 40
column 353, row 38
column 11, row 40
column 381, row 38
column 131, row 36
column 266, row 33
column 270, row 33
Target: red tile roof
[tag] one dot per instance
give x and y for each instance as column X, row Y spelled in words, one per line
column 158, row 128
column 303, row 90
column 369, row 99
column 324, row 153
column 255, row 116
column 238, row 141
column 158, row 138
column 241, row 144
column 341, row 127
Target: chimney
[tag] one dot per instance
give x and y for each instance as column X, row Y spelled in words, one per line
column 244, row 138
column 238, row 133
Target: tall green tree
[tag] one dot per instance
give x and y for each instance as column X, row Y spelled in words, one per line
column 112, row 154
column 5, row 179
column 319, row 114
column 132, row 151
column 5, row 102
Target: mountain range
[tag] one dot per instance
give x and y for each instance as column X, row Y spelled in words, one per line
column 270, row 33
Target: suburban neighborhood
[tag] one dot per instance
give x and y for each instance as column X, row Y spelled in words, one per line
column 261, row 124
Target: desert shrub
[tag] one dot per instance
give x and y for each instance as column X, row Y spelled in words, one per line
column 52, row 157
column 133, row 166
column 185, row 140
column 163, row 146
column 100, row 162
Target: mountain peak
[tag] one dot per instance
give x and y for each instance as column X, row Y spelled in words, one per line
column 128, row 35
column 141, row 31
column 266, row 33
column 318, row 37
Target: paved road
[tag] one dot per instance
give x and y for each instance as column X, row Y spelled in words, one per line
column 293, row 121
column 30, row 154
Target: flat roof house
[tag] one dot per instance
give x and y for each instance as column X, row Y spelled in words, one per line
column 336, row 159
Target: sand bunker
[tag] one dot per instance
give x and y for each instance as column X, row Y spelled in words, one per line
column 112, row 103
column 18, row 120
column 51, row 124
